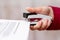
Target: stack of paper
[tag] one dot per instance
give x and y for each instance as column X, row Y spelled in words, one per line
column 14, row 30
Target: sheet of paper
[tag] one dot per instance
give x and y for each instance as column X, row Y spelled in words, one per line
column 14, row 30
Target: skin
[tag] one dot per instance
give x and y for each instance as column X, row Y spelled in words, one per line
column 44, row 23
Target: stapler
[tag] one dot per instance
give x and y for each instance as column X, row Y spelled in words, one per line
column 33, row 18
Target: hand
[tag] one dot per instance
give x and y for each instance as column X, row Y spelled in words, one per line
column 44, row 23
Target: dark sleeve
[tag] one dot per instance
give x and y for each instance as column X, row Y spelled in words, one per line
column 56, row 22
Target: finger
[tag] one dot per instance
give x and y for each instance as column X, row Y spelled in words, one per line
column 49, row 22
column 38, row 25
column 44, row 25
column 32, row 27
column 39, row 29
column 29, row 9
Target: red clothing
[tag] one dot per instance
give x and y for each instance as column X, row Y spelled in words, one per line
column 56, row 22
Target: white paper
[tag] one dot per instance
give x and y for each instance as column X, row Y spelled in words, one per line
column 14, row 30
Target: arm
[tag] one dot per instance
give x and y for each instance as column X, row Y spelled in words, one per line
column 56, row 22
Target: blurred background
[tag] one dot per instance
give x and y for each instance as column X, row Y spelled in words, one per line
column 13, row 9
